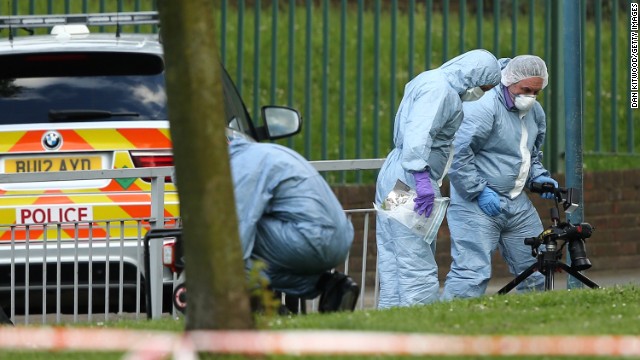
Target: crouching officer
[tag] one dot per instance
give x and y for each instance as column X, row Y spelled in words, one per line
column 290, row 219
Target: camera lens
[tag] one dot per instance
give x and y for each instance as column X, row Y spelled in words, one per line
column 578, row 254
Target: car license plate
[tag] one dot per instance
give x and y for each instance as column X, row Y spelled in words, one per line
column 47, row 164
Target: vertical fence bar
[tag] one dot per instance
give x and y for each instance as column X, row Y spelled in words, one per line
column 307, row 83
column 102, row 8
column 121, row 272
column 363, row 271
column 376, row 80
column 496, row 28
column 90, row 275
column 43, row 273
column 343, row 95
column 557, row 131
column 614, row 76
column 136, row 8
column 598, row 74
column 463, row 12
column 325, row 75
column 479, row 22
column 346, row 261
column 630, row 144
column 76, row 272
column 412, row 41
column 256, row 59
column 514, row 28
column 427, row 37
column 139, row 273
column 58, row 273
column 583, row 53
column 445, row 30
column 240, row 46
column 392, row 70
column 12, row 295
column 155, row 27
column 223, row 32
column 531, row 26
column 155, row 248
column 546, row 160
column 359, row 59
column 274, row 51
column 107, row 280
column 376, row 286
column 291, row 52
column 27, row 272
column 14, row 11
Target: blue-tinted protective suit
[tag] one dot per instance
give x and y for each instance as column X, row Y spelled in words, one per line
column 288, row 216
column 499, row 148
column 428, row 116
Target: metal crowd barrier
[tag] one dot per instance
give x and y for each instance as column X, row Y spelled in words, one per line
column 40, row 291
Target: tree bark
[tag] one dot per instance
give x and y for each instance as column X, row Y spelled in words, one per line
column 217, row 296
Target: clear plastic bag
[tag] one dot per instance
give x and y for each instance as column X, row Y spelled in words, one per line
column 398, row 205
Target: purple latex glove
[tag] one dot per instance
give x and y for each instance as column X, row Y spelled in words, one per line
column 426, row 195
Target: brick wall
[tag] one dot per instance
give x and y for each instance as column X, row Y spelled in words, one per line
column 612, row 205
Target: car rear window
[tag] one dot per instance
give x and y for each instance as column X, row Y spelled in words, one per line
column 129, row 86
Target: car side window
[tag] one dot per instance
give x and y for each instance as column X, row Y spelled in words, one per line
column 236, row 115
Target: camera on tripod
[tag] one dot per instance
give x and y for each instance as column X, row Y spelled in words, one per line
column 548, row 258
column 573, row 234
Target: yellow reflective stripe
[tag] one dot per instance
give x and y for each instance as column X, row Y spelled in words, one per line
column 9, row 139
column 101, row 139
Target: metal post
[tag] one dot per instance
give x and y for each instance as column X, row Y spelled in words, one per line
column 573, row 108
column 155, row 248
column 554, row 129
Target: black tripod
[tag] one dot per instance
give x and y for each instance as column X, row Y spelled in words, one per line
column 549, row 259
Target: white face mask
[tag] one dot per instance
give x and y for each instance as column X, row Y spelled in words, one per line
column 524, row 102
column 472, row 94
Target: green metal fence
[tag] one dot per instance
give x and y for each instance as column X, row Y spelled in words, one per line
column 344, row 64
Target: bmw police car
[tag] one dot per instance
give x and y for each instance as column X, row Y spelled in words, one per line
column 75, row 100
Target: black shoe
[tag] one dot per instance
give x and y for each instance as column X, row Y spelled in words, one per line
column 295, row 305
column 338, row 293
column 4, row 319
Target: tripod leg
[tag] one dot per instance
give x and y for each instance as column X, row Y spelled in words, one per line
column 548, row 278
column 513, row 283
column 578, row 275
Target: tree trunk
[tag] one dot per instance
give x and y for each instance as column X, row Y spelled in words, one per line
column 218, row 297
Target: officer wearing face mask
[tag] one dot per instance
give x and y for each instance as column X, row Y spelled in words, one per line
column 428, row 116
column 497, row 152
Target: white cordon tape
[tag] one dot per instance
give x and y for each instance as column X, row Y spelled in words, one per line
column 154, row 344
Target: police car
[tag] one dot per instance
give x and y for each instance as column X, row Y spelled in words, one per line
column 75, row 100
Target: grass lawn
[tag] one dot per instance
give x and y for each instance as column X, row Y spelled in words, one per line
column 607, row 311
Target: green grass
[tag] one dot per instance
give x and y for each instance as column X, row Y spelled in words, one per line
column 577, row 312
column 608, row 311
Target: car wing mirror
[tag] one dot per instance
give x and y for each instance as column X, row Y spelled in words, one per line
column 281, row 121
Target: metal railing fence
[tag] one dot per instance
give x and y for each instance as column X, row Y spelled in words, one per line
column 69, row 271
column 81, row 271
column 344, row 63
